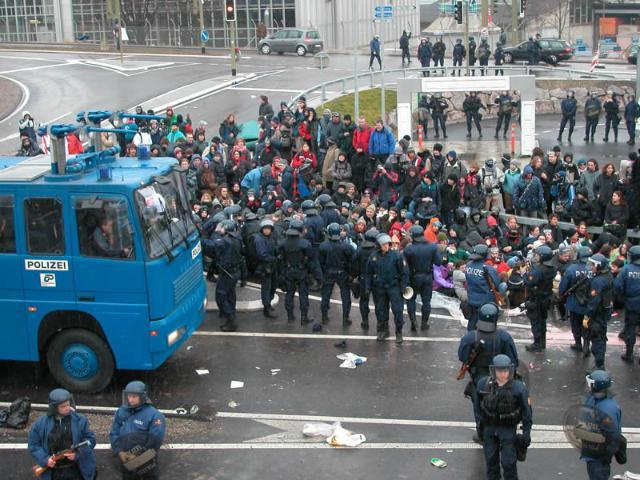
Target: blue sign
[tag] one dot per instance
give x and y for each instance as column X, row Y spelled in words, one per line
column 383, row 11
column 204, row 36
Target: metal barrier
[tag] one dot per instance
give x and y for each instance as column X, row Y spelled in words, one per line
column 375, row 77
column 562, row 225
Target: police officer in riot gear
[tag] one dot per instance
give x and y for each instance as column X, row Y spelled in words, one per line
column 459, row 53
column 631, row 115
column 335, row 260
column 606, row 421
column 484, row 52
column 297, row 262
column 505, row 107
column 387, row 277
column 438, row 53
column 313, row 226
column 364, row 251
column 266, row 254
column 471, row 107
column 498, row 57
column 599, row 307
column 503, row 403
column 569, row 107
column 227, row 254
column 57, row 431
column 472, row 54
column 574, row 285
column 421, row 257
column 612, row 116
column 539, row 281
column 479, row 276
column 438, row 107
column 478, row 348
column 592, row 111
column 137, row 430
column 329, row 212
column 627, row 285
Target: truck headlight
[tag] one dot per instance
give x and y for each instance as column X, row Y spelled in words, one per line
column 174, row 336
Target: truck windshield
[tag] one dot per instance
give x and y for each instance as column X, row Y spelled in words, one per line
column 165, row 215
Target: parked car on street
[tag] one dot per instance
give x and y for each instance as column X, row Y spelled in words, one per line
column 554, row 50
column 290, row 40
column 631, row 54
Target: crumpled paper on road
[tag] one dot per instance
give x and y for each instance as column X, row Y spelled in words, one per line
column 351, row 360
column 335, row 435
column 450, row 304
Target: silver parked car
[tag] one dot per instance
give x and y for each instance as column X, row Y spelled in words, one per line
column 296, row 40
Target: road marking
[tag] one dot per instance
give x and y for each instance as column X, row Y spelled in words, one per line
column 440, row 446
column 382, row 421
column 26, row 95
column 277, row 90
column 41, row 67
column 37, row 59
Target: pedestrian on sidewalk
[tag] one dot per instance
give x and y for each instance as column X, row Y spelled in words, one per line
column 374, row 46
column 404, row 46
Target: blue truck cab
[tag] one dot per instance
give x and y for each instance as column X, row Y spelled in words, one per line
column 101, row 264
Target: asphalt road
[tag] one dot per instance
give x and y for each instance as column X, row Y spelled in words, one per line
column 404, row 399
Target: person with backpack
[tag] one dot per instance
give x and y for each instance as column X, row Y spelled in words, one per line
column 484, row 52
column 505, row 107
column 592, row 111
column 575, row 291
column 438, row 53
column 472, row 54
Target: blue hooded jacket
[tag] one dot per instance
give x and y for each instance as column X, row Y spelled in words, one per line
column 38, row 443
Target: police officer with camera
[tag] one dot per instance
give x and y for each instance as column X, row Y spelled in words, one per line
column 503, row 403
column 137, row 433
column 627, row 285
column 335, row 261
column 421, row 257
column 539, row 281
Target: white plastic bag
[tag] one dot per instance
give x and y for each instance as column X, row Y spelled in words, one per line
column 351, row 360
column 344, row 438
column 318, row 430
column 451, row 304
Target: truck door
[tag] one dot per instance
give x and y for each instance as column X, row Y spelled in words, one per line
column 14, row 343
column 47, row 277
column 110, row 276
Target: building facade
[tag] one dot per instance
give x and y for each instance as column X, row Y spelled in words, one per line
column 176, row 23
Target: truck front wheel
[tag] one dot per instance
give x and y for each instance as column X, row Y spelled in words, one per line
column 80, row 360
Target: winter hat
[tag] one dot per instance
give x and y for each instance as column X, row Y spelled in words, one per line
column 452, row 154
column 453, row 177
column 527, row 171
column 491, row 221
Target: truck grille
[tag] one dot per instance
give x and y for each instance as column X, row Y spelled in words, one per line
column 186, row 282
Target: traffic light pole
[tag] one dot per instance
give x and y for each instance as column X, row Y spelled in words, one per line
column 465, row 19
column 485, row 13
column 232, row 33
column 201, row 12
column 356, row 93
column 515, row 10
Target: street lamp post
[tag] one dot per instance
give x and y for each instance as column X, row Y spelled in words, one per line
column 354, row 33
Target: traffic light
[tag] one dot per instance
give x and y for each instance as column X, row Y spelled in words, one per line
column 230, row 10
column 458, row 14
column 523, row 6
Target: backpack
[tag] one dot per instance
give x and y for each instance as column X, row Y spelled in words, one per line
column 483, row 52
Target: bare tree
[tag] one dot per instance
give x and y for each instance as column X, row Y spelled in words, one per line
column 137, row 15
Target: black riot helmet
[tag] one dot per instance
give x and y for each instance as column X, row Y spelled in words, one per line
column 417, row 233
column 57, row 397
column 488, row 317
column 634, row 255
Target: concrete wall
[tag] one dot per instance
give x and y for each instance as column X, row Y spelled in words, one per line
column 336, row 19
